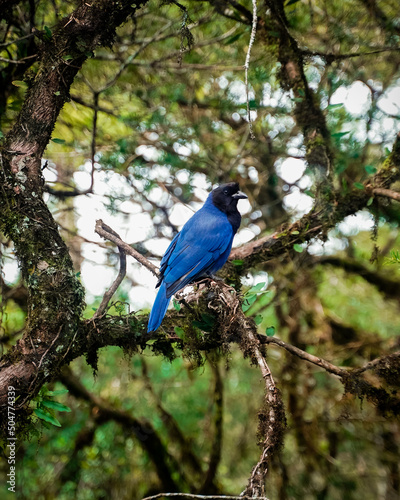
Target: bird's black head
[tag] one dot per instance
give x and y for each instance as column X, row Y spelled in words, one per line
column 225, row 198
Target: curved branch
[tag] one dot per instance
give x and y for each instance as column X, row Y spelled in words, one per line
column 107, row 233
column 118, row 279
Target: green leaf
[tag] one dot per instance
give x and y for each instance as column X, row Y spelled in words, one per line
column 54, row 405
column 369, row 202
column 48, row 32
column 298, row 248
column 20, row 83
column 176, row 305
column 258, row 287
column 1, row 135
column 270, row 331
column 57, row 393
column 58, row 141
column 233, row 38
column 339, row 135
column 67, row 57
column 248, row 302
column 258, row 319
column 359, row 185
column 295, row 232
column 150, row 342
column 335, row 106
column 370, row 169
column 237, row 262
column 57, row 93
column 178, row 330
column 47, row 417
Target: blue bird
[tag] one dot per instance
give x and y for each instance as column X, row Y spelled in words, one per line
column 199, row 249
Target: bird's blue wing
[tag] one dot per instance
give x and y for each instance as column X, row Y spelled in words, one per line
column 202, row 246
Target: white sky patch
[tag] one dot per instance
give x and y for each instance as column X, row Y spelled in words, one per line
column 97, row 277
column 130, row 207
column 384, row 130
column 49, row 173
column 182, row 176
column 181, row 149
column 242, row 236
column 159, row 196
column 390, row 101
column 356, row 98
column 251, row 280
column 244, row 206
column 237, row 91
column 298, row 202
column 223, row 82
column 149, row 153
column 305, row 182
column 253, row 174
column 290, row 170
column 329, row 247
column 158, row 246
column 10, row 270
column 142, row 297
column 180, row 214
column 353, row 224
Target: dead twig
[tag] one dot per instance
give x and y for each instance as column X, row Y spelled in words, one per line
column 118, row 280
column 104, row 231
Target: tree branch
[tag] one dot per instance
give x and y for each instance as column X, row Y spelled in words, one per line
column 319, row 220
column 105, row 231
column 118, row 279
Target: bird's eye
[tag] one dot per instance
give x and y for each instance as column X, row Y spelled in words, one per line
column 226, row 191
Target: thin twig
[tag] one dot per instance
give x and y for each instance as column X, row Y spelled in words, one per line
column 101, row 229
column 247, row 62
column 118, row 280
column 93, row 144
column 329, row 367
column 375, row 362
column 203, row 497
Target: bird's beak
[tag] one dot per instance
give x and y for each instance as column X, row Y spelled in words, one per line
column 239, row 196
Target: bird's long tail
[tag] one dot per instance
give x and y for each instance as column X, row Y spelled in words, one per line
column 159, row 309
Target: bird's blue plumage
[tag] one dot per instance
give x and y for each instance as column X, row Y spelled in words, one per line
column 201, row 248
